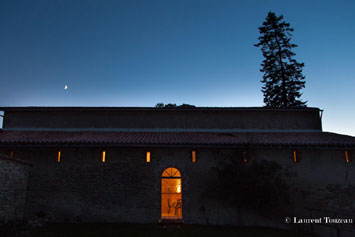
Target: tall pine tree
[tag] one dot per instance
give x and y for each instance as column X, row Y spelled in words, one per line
column 282, row 77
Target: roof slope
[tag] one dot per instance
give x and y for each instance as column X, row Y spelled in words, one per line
column 263, row 139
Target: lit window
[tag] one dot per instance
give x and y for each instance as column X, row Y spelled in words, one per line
column 103, row 156
column 193, row 156
column 12, row 154
column 58, row 157
column 245, row 159
column 148, row 156
column 294, row 156
column 347, row 157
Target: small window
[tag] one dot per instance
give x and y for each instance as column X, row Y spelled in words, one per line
column 11, row 154
column 294, row 156
column 148, row 157
column 103, row 158
column 194, row 156
column 58, row 157
column 347, row 157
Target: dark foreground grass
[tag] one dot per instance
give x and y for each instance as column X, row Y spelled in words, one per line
column 131, row 230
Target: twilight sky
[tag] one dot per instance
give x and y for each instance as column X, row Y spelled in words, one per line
column 139, row 53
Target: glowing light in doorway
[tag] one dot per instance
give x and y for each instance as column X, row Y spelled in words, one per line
column 178, row 185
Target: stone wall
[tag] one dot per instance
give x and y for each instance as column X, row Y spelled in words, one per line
column 13, row 185
column 126, row 188
column 218, row 189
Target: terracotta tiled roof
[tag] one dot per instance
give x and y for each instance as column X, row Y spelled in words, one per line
column 269, row 139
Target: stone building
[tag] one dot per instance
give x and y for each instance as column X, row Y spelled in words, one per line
column 223, row 166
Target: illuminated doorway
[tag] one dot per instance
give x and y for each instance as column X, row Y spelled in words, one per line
column 171, row 201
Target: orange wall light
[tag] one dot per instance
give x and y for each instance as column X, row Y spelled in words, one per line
column 193, row 156
column 58, row 156
column 347, row 157
column 245, row 159
column 103, row 158
column 294, row 156
column 148, row 157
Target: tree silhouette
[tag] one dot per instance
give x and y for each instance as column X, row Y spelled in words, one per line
column 282, row 77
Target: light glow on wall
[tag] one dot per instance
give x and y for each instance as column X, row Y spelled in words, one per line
column 103, row 156
column 148, row 157
column 11, row 154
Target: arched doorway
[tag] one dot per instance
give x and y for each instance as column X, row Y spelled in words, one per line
column 171, row 201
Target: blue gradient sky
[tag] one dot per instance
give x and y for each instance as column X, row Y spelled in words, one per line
column 139, row 53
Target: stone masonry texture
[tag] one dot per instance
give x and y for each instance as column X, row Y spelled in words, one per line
column 13, row 185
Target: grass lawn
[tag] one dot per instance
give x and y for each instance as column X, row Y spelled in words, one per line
column 102, row 230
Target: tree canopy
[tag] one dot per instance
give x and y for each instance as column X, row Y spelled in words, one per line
column 283, row 78
column 169, row 106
